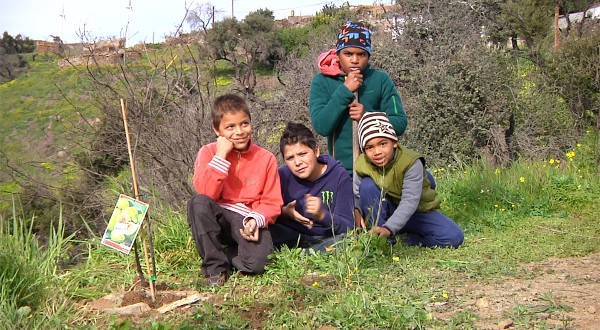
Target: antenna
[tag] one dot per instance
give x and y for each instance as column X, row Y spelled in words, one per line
column 129, row 9
column 62, row 23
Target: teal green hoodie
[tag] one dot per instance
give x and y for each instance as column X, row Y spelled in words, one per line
column 329, row 115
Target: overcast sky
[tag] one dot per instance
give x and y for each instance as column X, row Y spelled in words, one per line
column 141, row 20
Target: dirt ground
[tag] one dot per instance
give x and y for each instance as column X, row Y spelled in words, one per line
column 559, row 294
column 555, row 294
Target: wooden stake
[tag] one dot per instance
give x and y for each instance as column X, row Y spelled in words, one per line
column 355, row 147
column 136, row 192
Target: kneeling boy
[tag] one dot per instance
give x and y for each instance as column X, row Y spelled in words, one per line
column 393, row 192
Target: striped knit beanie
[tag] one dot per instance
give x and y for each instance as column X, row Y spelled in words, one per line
column 372, row 125
column 353, row 34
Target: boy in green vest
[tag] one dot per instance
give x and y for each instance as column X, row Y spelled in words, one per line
column 393, row 192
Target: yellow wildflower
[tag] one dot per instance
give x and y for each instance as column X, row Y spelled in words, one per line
column 522, row 179
column 551, row 161
column 396, row 258
column 444, row 294
column 315, row 284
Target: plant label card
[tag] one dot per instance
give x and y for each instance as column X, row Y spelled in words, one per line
column 124, row 224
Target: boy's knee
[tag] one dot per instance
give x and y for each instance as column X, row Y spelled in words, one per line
column 250, row 264
column 458, row 239
column 454, row 239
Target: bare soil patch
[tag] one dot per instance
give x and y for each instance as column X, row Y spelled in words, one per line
column 559, row 293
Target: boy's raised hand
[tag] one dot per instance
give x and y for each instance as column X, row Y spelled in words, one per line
column 354, row 80
column 289, row 210
column 224, row 146
column 314, row 207
column 250, row 231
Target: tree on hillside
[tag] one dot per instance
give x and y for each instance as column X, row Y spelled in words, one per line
column 530, row 20
column 246, row 44
column 12, row 62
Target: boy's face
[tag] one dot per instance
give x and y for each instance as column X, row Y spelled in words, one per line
column 380, row 150
column 302, row 161
column 352, row 58
column 237, row 128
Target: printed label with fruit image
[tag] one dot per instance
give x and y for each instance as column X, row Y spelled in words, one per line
column 124, row 223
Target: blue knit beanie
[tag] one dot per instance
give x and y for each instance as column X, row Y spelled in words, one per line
column 353, row 34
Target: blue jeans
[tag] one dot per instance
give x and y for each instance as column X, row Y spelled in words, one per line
column 430, row 229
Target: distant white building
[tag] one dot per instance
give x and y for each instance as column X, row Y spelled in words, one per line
column 592, row 13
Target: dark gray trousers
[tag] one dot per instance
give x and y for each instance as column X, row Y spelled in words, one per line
column 216, row 232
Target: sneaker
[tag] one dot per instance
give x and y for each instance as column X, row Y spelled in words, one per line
column 216, row 279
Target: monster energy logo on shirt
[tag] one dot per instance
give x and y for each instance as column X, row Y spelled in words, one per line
column 327, row 197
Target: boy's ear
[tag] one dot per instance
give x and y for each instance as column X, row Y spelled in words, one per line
column 318, row 151
column 216, row 131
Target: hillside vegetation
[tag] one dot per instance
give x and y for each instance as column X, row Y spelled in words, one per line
column 511, row 134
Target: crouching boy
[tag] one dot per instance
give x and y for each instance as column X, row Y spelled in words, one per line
column 317, row 194
column 393, row 192
column 239, row 195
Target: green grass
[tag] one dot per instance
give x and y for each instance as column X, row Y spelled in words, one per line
column 363, row 284
column 33, row 105
column 32, row 292
column 367, row 284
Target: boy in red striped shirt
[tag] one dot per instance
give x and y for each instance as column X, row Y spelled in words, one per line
column 239, row 195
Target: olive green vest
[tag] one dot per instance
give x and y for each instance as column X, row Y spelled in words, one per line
column 390, row 178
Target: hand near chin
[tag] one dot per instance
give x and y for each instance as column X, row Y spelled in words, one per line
column 354, row 80
column 224, row 146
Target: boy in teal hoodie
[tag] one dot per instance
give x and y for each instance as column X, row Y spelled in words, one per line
column 346, row 88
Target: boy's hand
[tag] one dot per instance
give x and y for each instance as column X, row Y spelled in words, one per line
column 250, row 231
column 359, row 221
column 314, row 207
column 289, row 210
column 224, row 146
column 357, row 110
column 381, row 231
column 354, row 80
